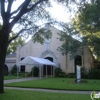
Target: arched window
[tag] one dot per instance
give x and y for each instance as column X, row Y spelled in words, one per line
column 77, row 61
column 22, row 58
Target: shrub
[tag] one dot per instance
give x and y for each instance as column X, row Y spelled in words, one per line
column 14, row 70
column 35, row 71
column 29, row 74
column 94, row 74
column 59, row 72
column 71, row 75
column 22, row 74
column 84, row 73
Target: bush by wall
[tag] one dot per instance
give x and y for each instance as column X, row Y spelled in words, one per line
column 71, row 75
column 94, row 74
column 14, row 70
column 35, row 71
column 59, row 72
column 84, row 73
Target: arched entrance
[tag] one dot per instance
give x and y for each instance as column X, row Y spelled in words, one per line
column 5, row 69
column 49, row 54
column 49, row 68
column 77, row 61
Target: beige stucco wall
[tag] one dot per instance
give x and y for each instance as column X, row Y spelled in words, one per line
column 35, row 49
column 70, row 64
column 55, row 43
column 10, row 62
column 10, row 66
column 29, row 49
column 88, row 59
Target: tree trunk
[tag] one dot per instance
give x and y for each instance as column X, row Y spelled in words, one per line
column 3, row 49
column 1, row 75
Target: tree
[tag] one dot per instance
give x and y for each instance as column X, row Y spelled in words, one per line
column 87, row 22
column 14, row 44
column 41, row 35
column 85, row 26
column 69, row 44
column 19, row 16
column 25, row 15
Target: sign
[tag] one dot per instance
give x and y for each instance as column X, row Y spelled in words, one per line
column 78, row 76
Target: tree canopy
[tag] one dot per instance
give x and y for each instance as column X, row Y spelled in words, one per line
column 14, row 44
column 41, row 35
column 87, row 22
column 69, row 43
column 85, row 28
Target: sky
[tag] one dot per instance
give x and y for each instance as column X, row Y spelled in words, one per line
column 57, row 11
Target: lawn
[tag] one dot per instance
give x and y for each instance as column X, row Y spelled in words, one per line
column 35, row 95
column 12, row 77
column 59, row 83
column 9, row 77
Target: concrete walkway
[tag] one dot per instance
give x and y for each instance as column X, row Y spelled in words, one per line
column 43, row 90
column 19, row 80
column 48, row 90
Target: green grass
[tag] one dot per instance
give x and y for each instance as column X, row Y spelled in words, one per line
column 34, row 95
column 59, row 83
column 11, row 77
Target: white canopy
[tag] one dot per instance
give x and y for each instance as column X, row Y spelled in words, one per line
column 34, row 60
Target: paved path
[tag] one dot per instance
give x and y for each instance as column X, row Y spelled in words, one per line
column 44, row 90
column 48, row 90
column 19, row 80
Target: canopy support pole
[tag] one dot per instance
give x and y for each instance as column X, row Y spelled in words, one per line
column 17, row 71
column 51, row 71
column 46, row 71
column 25, row 71
column 40, row 70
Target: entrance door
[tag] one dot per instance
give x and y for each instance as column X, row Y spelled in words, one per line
column 49, row 67
column 22, row 68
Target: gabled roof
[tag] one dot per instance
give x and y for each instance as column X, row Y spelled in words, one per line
column 10, row 61
column 11, row 55
column 29, row 60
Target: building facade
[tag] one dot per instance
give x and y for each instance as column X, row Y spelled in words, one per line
column 9, row 63
column 49, row 51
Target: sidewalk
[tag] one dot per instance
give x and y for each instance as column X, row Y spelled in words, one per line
column 20, row 80
column 48, row 90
